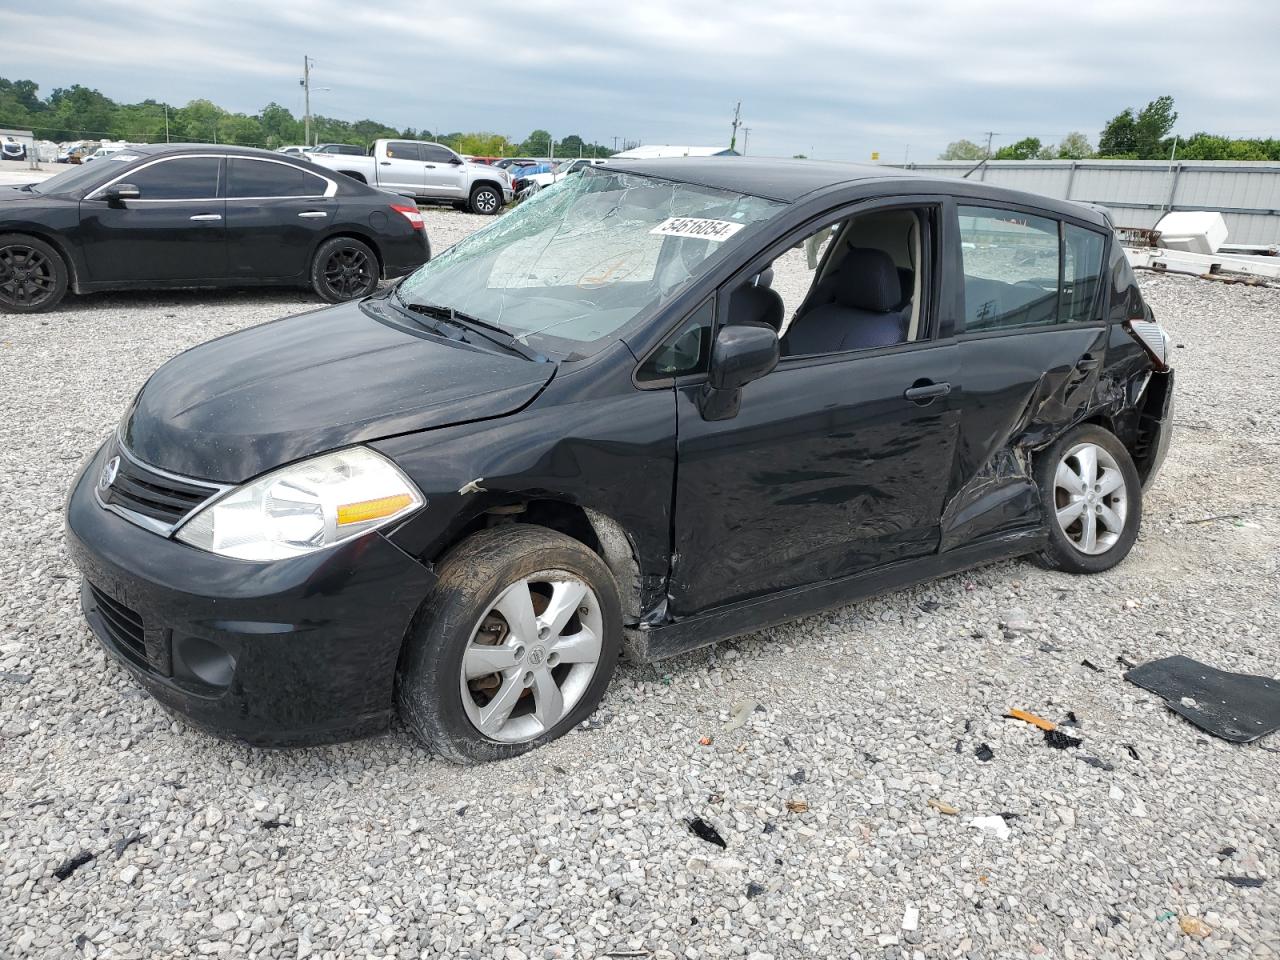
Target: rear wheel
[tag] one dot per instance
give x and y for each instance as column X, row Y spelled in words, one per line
column 486, row 200
column 515, row 645
column 33, row 275
column 1092, row 498
column 344, row 269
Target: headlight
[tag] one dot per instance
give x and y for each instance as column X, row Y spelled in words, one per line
column 304, row 507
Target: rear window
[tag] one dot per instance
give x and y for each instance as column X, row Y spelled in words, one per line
column 404, row 150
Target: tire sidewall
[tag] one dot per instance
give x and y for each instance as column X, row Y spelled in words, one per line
column 327, row 250
column 427, row 683
column 497, row 200
column 61, row 275
column 1060, row 553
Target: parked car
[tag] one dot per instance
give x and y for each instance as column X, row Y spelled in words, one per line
column 74, row 152
column 200, row 216
column 427, row 171
column 529, row 183
column 12, row 148
column 344, row 149
column 599, row 427
column 295, row 150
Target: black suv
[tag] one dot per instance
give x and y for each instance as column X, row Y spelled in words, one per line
column 661, row 403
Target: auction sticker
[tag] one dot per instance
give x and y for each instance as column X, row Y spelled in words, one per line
column 699, row 229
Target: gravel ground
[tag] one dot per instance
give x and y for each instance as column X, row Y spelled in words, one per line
column 845, row 799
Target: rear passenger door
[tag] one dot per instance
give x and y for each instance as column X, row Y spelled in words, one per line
column 401, row 167
column 277, row 212
column 1032, row 345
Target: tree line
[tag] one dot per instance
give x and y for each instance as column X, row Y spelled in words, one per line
column 81, row 113
column 1130, row 135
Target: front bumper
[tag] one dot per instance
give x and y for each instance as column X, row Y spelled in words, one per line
column 274, row 654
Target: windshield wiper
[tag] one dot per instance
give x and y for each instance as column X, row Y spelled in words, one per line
column 489, row 331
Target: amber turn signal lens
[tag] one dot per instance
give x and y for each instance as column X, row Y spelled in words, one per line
column 372, row 509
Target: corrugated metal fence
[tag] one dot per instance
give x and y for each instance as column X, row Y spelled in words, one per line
column 1139, row 192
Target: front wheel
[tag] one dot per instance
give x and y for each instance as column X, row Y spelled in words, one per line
column 486, row 200
column 514, row 646
column 1092, row 497
column 344, row 269
column 33, row 275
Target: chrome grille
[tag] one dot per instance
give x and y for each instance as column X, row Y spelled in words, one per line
column 150, row 497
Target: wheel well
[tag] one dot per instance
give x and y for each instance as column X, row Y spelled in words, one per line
column 73, row 279
column 487, row 183
column 350, row 235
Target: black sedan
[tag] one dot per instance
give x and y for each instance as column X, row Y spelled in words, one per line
column 660, row 404
column 201, row 216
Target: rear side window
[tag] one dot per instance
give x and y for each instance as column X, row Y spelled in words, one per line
column 1010, row 268
column 264, row 179
column 1081, row 272
column 182, row 178
column 403, row 150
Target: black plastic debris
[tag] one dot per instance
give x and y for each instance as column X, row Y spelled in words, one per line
column 797, row 776
column 930, row 606
column 1091, row 665
column 273, row 824
column 1133, row 752
column 1226, row 853
column 1059, row 740
column 705, row 831
column 1098, row 763
column 1251, row 882
column 754, row 890
column 769, row 828
column 124, row 843
column 984, row 752
column 1126, row 663
column 1237, row 707
column 71, row 866
column 1071, row 721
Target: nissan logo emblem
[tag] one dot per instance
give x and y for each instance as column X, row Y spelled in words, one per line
column 109, row 472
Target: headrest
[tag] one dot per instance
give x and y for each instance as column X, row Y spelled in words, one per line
column 868, row 280
column 755, row 304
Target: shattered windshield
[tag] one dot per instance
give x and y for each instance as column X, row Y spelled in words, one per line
column 572, row 265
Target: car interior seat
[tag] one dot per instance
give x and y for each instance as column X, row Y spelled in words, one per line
column 859, row 306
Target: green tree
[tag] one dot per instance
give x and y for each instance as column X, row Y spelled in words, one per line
column 536, row 144
column 1074, row 146
column 78, row 112
column 279, row 126
column 1142, row 135
column 1026, row 149
column 962, row 150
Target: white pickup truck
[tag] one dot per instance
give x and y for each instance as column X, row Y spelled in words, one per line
column 426, row 171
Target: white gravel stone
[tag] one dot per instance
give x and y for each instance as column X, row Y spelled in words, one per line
column 881, row 704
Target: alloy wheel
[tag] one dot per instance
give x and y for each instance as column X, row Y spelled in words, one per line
column 486, row 201
column 1091, row 499
column 27, row 277
column 348, row 273
column 531, row 657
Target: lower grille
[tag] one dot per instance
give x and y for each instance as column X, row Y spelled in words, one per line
column 123, row 625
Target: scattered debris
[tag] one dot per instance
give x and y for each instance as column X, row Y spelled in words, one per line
column 1031, row 718
column 471, row 486
column 754, row 890
column 1126, row 663
column 930, row 606
column 1252, row 882
column 797, row 776
column 1091, row 665
column 943, row 807
column 769, row 828
column 124, row 843
column 1218, row 516
column 1059, row 740
column 72, row 865
column 705, row 741
column 462, row 810
column 1194, row 927
column 742, row 709
column 1165, row 915
column 1096, row 762
column 1226, row 853
column 1237, row 707
column 984, row 752
column 798, row 806
column 1071, row 720
column 705, row 831
column 1133, row 752
column 277, row 824
column 994, row 825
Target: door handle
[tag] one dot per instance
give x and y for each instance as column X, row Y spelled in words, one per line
column 312, row 214
column 923, row 392
column 207, row 216
column 431, row 166
column 385, row 163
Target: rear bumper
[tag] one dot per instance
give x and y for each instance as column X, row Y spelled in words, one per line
column 277, row 654
column 1155, row 427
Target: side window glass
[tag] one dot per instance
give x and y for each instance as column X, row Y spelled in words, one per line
column 183, row 178
column 263, row 179
column 1010, row 268
column 685, row 351
column 1081, row 272
column 433, row 154
column 398, row 150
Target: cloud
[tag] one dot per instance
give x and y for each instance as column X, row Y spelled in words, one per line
column 829, row 78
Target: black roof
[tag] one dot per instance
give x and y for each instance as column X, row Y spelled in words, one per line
column 152, row 149
column 792, row 180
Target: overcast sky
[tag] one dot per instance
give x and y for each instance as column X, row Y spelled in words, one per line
column 827, row 78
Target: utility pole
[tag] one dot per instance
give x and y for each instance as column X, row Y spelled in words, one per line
column 990, row 134
column 306, row 99
column 746, row 139
column 166, row 123
column 737, row 122
column 615, row 144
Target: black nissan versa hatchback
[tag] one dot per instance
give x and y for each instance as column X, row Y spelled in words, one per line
column 657, row 405
column 199, row 215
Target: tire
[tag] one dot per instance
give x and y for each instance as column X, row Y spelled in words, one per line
column 344, row 269
column 460, row 620
column 33, row 275
column 486, row 200
column 1112, row 509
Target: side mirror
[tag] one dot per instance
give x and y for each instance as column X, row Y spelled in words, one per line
column 742, row 352
column 118, row 193
column 456, row 161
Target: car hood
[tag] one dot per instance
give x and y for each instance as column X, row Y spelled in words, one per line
column 16, row 193
column 237, row 406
